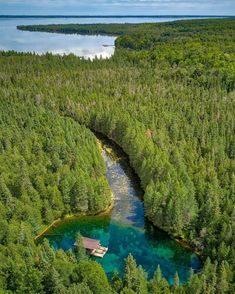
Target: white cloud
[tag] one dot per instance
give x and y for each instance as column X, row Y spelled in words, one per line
column 119, row 6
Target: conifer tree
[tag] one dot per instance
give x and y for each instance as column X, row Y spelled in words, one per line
column 79, row 248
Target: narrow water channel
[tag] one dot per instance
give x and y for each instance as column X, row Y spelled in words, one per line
column 125, row 230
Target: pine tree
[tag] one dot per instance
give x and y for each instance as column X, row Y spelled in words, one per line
column 79, row 202
column 53, row 282
column 176, row 281
column 130, row 275
column 5, row 194
column 116, row 282
column 81, row 288
column 141, row 283
column 79, row 248
column 157, row 275
column 71, row 256
column 223, row 281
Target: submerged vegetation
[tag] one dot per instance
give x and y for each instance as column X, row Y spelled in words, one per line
column 167, row 98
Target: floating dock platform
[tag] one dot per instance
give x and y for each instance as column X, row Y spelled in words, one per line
column 93, row 247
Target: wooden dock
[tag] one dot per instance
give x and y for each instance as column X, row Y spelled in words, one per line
column 99, row 251
column 93, row 247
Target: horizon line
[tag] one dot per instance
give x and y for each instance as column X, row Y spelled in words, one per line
column 109, row 16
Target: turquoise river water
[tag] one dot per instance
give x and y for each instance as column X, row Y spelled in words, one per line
column 125, row 229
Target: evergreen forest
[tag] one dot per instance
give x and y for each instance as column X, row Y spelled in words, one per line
column 167, row 97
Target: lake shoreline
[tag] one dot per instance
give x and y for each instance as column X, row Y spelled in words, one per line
column 68, row 217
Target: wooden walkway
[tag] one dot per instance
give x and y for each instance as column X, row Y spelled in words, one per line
column 45, row 230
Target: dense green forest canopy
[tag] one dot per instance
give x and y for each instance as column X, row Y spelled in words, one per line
column 200, row 46
column 167, row 98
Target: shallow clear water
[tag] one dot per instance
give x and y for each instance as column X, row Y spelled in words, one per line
column 84, row 46
column 125, row 230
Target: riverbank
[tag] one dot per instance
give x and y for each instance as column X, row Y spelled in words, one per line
column 67, row 217
column 73, row 217
column 179, row 239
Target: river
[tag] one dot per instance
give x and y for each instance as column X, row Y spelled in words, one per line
column 125, row 230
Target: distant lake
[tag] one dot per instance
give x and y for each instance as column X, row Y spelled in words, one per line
column 84, row 46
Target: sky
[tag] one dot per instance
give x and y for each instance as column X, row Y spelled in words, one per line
column 118, row 7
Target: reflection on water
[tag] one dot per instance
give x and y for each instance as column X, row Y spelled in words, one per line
column 23, row 41
column 126, row 230
column 128, row 209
